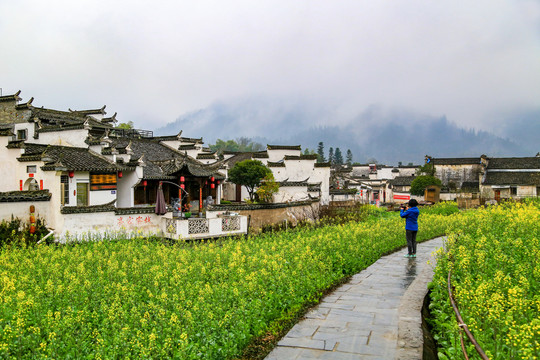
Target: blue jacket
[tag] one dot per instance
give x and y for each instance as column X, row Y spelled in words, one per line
column 412, row 218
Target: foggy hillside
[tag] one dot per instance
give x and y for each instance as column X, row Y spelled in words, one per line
column 388, row 136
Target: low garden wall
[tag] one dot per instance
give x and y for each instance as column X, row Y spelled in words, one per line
column 271, row 214
column 16, row 204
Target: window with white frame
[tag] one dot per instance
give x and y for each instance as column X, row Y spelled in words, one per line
column 21, row 134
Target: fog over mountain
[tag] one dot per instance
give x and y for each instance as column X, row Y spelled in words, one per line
column 389, row 135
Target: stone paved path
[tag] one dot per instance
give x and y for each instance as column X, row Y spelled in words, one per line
column 374, row 316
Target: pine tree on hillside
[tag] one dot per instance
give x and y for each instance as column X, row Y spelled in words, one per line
column 349, row 157
column 320, row 153
column 338, row 157
column 331, row 155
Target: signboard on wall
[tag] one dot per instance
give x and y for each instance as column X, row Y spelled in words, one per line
column 102, row 182
column 402, row 197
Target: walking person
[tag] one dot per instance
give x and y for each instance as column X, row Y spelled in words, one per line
column 410, row 212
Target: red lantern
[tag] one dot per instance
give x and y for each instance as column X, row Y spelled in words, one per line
column 206, row 182
column 120, row 174
column 144, row 183
column 218, row 182
column 182, row 186
column 40, row 184
column 182, row 179
column 212, row 186
column 212, row 179
column 71, row 174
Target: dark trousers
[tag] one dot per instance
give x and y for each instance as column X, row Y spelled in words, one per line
column 411, row 241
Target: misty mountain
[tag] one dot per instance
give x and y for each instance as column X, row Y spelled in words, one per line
column 389, row 136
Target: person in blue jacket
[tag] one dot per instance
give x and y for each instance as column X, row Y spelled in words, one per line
column 410, row 213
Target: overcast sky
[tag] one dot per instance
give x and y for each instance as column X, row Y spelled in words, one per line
column 154, row 61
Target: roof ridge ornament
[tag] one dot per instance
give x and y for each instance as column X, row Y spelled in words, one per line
column 179, row 135
column 129, row 150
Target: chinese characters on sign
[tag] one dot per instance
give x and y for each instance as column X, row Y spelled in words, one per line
column 130, row 221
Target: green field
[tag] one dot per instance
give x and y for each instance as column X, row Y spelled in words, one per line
column 215, row 300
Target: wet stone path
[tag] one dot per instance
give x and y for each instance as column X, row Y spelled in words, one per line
column 376, row 315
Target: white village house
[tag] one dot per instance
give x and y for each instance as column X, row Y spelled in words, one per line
column 300, row 177
column 85, row 175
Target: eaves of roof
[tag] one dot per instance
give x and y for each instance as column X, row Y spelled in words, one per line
column 14, row 97
column 283, row 147
column 187, row 147
column 271, row 164
column 343, row 191
column 6, row 132
column 206, row 156
column 239, row 207
column 301, row 157
column 322, row 165
column 21, row 196
column 514, row 163
column 512, row 178
column 260, row 155
column 456, row 161
column 88, row 209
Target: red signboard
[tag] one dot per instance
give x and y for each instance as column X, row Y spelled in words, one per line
column 402, row 197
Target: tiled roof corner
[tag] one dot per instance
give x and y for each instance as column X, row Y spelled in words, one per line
column 14, row 97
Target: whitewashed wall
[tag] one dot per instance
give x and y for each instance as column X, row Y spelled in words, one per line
column 276, row 155
column 21, row 210
column 80, row 225
column 74, row 138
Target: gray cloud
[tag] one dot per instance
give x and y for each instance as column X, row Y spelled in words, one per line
column 152, row 62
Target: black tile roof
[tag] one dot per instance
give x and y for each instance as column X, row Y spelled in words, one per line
column 89, row 112
column 68, row 158
column 14, row 97
column 283, row 147
column 301, row 157
column 512, row 178
column 6, row 132
column 470, row 186
column 21, row 196
column 275, row 164
column 325, row 164
column 514, row 163
column 455, row 161
column 206, row 156
column 162, row 162
column 260, row 155
column 294, row 183
column 187, row 147
column 402, row 180
column 88, row 209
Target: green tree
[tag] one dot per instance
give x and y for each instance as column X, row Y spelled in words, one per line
column 338, row 157
column 267, row 189
column 241, row 144
column 420, row 183
column 320, row 153
column 426, row 169
column 331, row 156
column 249, row 173
column 128, row 125
column 349, row 157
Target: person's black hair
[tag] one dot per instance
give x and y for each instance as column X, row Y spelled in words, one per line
column 413, row 203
